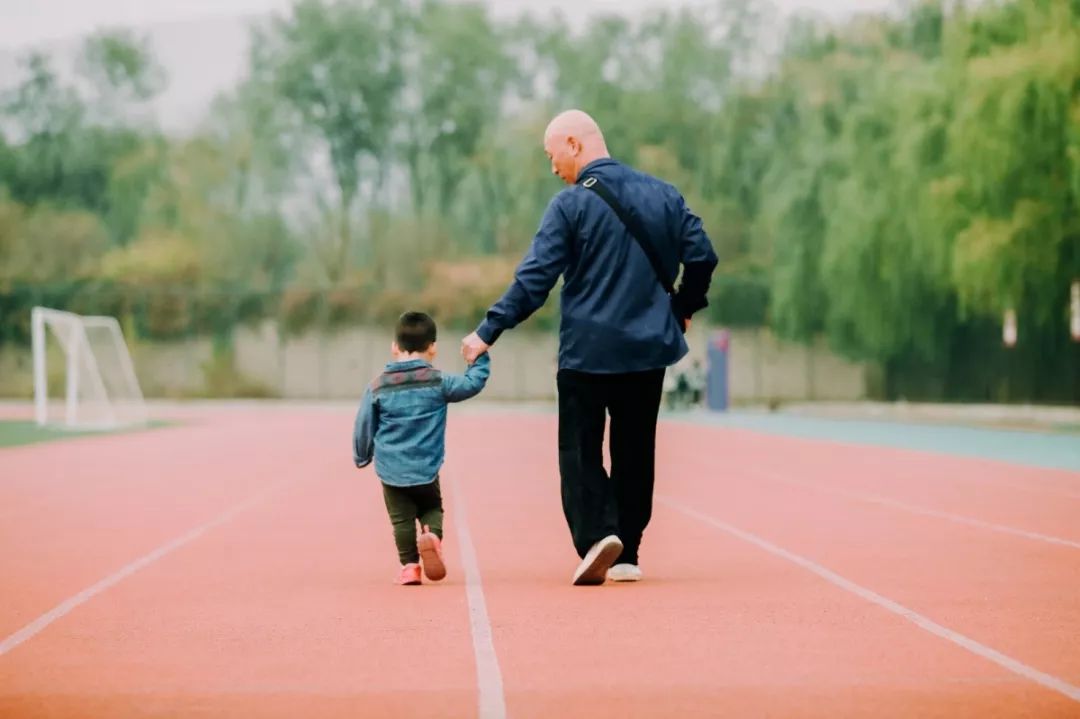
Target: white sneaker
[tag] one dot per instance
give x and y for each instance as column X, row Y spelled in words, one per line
column 593, row 568
column 624, row 573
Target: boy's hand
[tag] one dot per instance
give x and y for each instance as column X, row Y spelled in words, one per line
column 472, row 347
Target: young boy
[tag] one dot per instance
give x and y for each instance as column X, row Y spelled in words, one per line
column 402, row 425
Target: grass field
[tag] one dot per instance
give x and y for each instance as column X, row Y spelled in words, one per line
column 18, row 432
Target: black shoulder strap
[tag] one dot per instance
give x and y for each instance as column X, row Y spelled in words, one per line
column 635, row 230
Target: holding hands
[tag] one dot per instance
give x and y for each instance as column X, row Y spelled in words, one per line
column 472, row 347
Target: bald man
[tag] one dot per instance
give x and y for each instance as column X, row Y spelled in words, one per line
column 618, row 237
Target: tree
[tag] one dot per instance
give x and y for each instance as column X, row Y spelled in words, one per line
column 43, row 118
column 68, row 139
column 337, row 66
column 122, row 72
column 459, row 73
column 47, row 246
column 1015, row 149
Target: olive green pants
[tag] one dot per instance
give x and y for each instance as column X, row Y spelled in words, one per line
column 406, row 505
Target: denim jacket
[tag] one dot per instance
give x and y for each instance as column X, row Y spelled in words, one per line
column 401, row 423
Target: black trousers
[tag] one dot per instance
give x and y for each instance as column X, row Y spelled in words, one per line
column 594, row 503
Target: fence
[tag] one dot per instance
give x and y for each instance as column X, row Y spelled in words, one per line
column 338, row 364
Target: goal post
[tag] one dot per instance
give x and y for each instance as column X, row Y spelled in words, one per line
column 101, row 388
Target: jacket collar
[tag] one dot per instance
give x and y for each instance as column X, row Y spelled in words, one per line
column 595, row 164
column 406, row 365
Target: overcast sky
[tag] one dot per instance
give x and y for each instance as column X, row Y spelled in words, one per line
column 219, row 28
column 27, row 22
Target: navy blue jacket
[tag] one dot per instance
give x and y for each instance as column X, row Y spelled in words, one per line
column 616, row 316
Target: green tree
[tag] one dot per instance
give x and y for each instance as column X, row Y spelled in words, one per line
column 122, row 72
column 337, row 66
column 68, row 139
column 459, row 72
column 44, row 245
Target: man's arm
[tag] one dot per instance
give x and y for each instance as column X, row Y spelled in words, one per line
column 698, row 260
column 535, row 276
column 367, row 419
column 458, row 388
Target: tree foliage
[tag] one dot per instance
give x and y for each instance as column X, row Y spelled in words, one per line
column 894, row 183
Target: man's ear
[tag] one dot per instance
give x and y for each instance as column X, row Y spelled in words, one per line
column 394, row 349
column 574, row 145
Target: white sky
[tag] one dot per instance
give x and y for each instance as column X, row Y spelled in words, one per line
column 218, row 28
column 27, row 22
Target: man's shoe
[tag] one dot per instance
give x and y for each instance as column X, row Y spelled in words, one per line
column 593, row 568
column 624, row 573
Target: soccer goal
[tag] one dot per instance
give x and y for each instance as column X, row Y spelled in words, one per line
column 101, row 389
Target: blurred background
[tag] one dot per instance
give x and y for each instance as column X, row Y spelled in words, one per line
column 257, row 189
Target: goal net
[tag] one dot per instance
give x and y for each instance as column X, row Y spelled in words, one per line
column 101, row 390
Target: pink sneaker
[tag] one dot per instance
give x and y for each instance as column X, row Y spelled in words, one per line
column 431, row 555
column 410, row 574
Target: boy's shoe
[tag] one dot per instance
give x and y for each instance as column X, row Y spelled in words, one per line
column 624, row 573
column 431, row 555
column 593, row 568
column 410, row 574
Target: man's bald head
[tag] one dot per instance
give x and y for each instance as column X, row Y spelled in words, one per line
column 572, row 122
column 573, row 140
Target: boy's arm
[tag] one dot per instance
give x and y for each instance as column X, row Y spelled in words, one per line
column 367, row 419
column 457, row 388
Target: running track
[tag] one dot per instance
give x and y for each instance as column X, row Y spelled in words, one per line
column 237, row 565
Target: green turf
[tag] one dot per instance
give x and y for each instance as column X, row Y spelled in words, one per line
column 1059, row 449
column 16, row 432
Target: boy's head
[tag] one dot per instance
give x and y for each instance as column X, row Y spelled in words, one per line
column 415, row 336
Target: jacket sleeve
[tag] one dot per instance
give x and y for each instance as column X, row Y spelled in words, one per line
column 457, row 388
column 535, row 276
column 697, row 258
column 367, row 421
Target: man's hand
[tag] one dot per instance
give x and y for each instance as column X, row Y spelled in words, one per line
column 472, row 347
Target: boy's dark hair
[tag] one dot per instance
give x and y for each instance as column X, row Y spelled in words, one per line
column 415, row 332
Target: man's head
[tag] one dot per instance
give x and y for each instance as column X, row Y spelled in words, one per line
column 573, row 140
column 414, row 337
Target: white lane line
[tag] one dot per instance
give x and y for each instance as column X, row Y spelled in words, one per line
column 65, row 607
column 1013, row 665
column 492, row 702
column 916, row 509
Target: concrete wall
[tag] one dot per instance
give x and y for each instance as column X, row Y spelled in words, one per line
column 339, row 365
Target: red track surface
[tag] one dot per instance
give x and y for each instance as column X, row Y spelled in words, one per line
column 284, row 608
